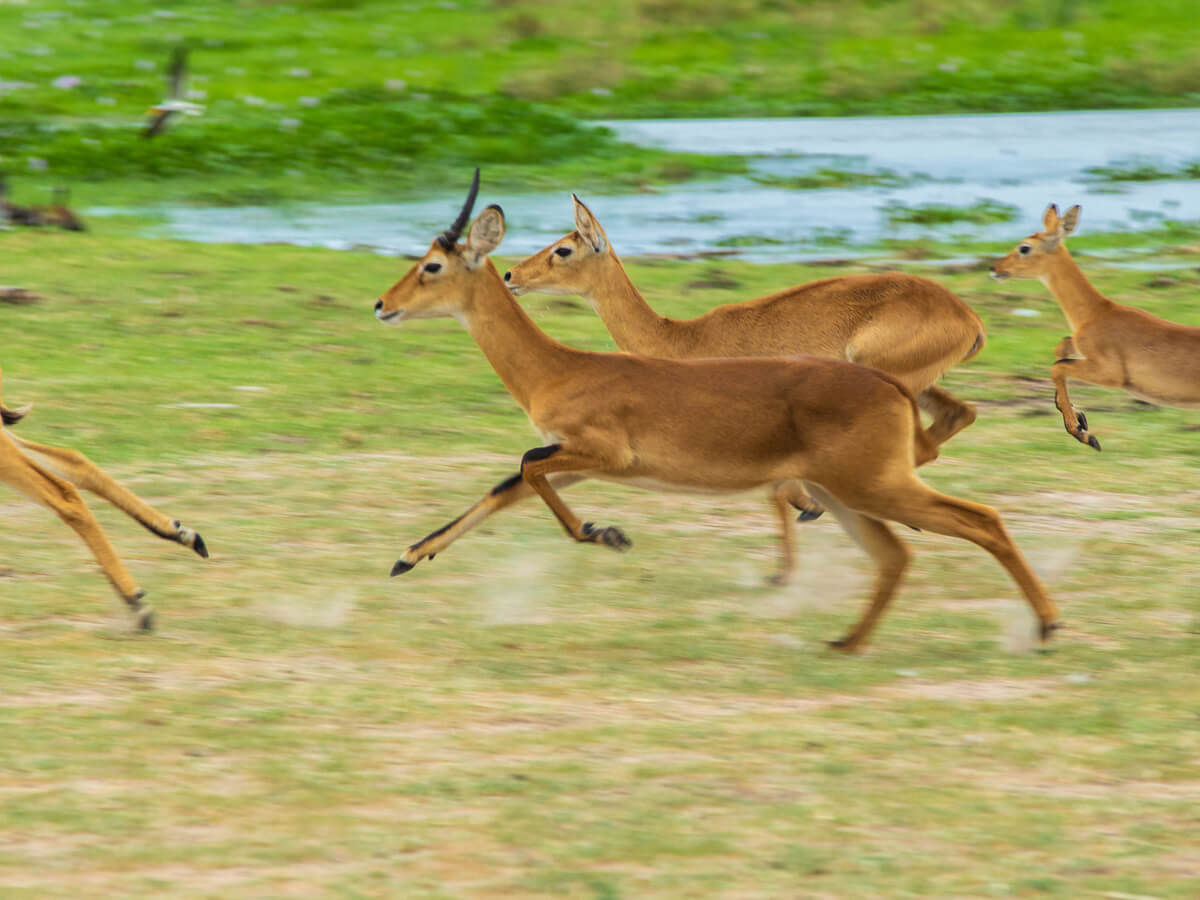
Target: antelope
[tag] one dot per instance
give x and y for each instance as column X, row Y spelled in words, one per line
column 853, row 435
column 910, row 327
column 56, row 485
column 1110, row 344
column 17, row 215
column 60, row 215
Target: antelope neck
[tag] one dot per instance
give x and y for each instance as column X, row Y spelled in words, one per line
column 629, row 318
column 1074, row 293
column 522, row 354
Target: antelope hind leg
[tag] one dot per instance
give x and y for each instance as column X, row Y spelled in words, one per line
column 82, row 472
column 46, row 488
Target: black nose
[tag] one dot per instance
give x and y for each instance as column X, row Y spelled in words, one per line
column 378, row 305
column 508, row 275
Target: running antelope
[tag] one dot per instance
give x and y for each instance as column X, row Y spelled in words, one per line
column 55, row 485
column 910, row 327
column 1110, row 344
column 853, row 435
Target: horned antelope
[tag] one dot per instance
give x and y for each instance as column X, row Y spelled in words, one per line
column 1110, row 344
column 853, row 435
column 54, row 483
column 910, row 327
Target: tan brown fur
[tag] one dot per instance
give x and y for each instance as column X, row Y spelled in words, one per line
column 710, row 425
column 910, row 327
column 1110, row 344
column 54, row 478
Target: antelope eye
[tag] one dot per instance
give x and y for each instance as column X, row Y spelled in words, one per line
column 433, row 267
column 564, row 252
column 1025, row 249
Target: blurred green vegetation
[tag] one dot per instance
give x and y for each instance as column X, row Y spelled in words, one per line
column 315, row 98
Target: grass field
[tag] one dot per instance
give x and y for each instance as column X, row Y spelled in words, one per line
column 524, row 717
column 315, row 99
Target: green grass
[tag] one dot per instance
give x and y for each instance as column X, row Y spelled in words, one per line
column 981, row 212
column 1143, row 171
column 825, row 178
column 524, row 717
column 315, row 99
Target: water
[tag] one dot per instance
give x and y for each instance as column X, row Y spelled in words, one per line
column 1022, row 160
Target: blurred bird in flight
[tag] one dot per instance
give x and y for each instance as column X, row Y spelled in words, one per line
column 161, row 113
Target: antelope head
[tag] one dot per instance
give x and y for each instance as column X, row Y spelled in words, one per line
column 571, row 265
column 1031, row 257
column 440, row 284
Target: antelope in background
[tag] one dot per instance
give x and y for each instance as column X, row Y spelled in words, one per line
column 14, row 214
column 55, row 485
column 60, row 215
column 910, row 327
column 852, row 434
column 57, row 214
column 1110, row 344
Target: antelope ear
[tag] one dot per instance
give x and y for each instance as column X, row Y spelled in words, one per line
column 485, row 236
column 1069, row 222
column 587, row 226
column 1050, row 219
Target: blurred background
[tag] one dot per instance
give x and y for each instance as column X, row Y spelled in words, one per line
column 309, row 110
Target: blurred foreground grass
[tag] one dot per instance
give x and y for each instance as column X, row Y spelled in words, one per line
column 526, row 717
column 313, row 99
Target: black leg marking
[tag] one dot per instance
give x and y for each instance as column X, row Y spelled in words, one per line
column 507, row 484
column 540, row 453
column 1082, row 417
column 429, row 537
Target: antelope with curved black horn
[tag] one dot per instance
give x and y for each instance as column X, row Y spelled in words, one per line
column 450, row 236
column 851, row 434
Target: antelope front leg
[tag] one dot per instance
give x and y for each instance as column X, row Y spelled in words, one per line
column 511, row 490
column 542, row 461
column 82, row 472
column 1093, row 371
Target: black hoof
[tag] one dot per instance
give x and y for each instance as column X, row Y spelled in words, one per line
column 1093, row 443
column 842, row 644
column 610, row 537
column 809, row 515
column 1082, row 417
column 1048, row 630
column 200, row 547
column 145, row 619
column 401, row 567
